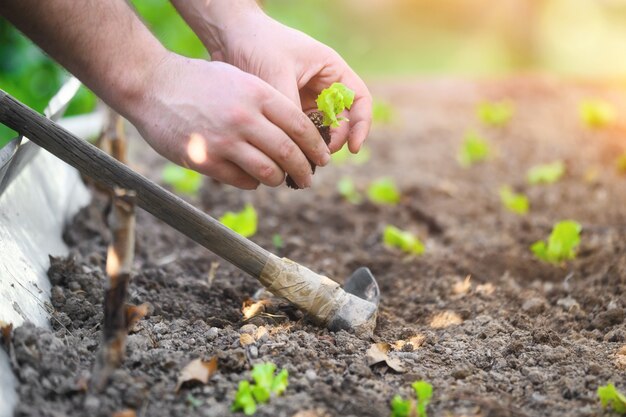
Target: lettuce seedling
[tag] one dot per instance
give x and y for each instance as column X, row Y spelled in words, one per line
column 514, row 202
column 597, row 113
column 382, row 112
column 348, row 190
column 277, row 241
column 182, row 180
column 610, row 397
column 332, row 101
column 546, row 174
column 410, row 407
column 344, row 156
column 265, row 385
column 474, row 149
column 243, row 222
column 495, row 113
column 407, row 242
column 562, row 243
column 383, row 191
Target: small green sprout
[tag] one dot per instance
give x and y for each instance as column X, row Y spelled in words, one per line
column 182, row 180
column 410, row 407
column 620, row 164
column 473, row 150
column 597, row 113
column 546, row 174
column 277, row 241
column 514, row 202
column 265, row 385
column 348, row 190
column 332, row 101
column 407, row 242
column 610, row 397
column 382, row 112
column 383, row 191
column 193, row 401
column 495, row 113
column 344, row 156
column 562, row 243
column 243, row 222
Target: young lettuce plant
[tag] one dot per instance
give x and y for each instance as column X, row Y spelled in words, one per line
column 383, row 191
column 546, row 174
column 474, row 149
column 514, row 202
column 348, row 190
column 266, row 384
column 243, row 222
column 413, row 408
column 331, row 102
column 495, row 113
column 610, row 397
column 561, row 245
column 182, row 180
column 405, row 241
column 597, row 113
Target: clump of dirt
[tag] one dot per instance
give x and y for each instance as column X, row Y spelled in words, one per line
column 318, row 120
column 519, row 338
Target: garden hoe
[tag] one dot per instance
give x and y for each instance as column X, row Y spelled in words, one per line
column 351, row 308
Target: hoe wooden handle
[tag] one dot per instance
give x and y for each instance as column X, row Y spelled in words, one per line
column 153, row 198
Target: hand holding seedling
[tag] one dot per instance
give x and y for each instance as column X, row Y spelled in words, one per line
column 240, row 121
column 239, row 33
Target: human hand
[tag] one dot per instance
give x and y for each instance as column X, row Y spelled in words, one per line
column 227, row 124
column 295, row 64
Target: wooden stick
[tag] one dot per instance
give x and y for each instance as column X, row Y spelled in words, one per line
column 164, row 205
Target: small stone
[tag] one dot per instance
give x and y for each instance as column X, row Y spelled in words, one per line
column 92, row 404
column 310, row 375
column 254, row 351
column 248, row 329
column 534, row 305
column 568, row 304
column 160, row 328
column 212, row 333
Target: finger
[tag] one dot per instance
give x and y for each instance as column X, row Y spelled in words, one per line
column 297, row 125
column 225, row 172
column 274, row 143
column 339, row 135
column 360, row 113
column 256, row 164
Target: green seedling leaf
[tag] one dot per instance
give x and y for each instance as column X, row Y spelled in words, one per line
column 474, row 149
column 597, row 113
column 424, row 393
column 383, row 191
column 243, row 222
column 514, row 202
column 193, row 401
column 620, row 164
column 546, row 174
column 344, row 156
column 562, row 243
column 610, row 397
column 495, row 113
column 407, row 242
column 277, row 241
column 400, row 407
column 348, row 190
column 280, row 382
column 332, row 101
column 382, row 112
column 182, row 180
column 244, row 400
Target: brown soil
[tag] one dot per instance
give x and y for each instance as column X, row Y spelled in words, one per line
column 533, row 339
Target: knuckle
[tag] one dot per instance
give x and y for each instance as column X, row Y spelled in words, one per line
column 237, row 116
column 287, row 150
column 301, row 125
column 269, row 175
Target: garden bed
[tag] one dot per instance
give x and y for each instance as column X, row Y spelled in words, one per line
column 522, row 337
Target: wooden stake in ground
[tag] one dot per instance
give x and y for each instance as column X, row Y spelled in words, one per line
column 112, row 139
column 118, row 267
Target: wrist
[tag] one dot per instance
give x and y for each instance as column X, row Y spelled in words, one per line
column 213, row 21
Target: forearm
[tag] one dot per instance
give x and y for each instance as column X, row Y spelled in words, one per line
column 103, row 43
column 212, row 20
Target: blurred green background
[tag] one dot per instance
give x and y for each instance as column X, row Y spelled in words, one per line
column 387, row 38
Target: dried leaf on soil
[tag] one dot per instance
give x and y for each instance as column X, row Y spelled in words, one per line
column 134, row 314
column 620, row 358
column 251, row 308
column 445, row 319
column 197, row 371
column 409, row 344
column 125, row 413
column 378, row 352
column 462, row 287
column 246, row 339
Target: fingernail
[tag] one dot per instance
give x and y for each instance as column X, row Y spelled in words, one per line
column 325, row 159
column 307, row 182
